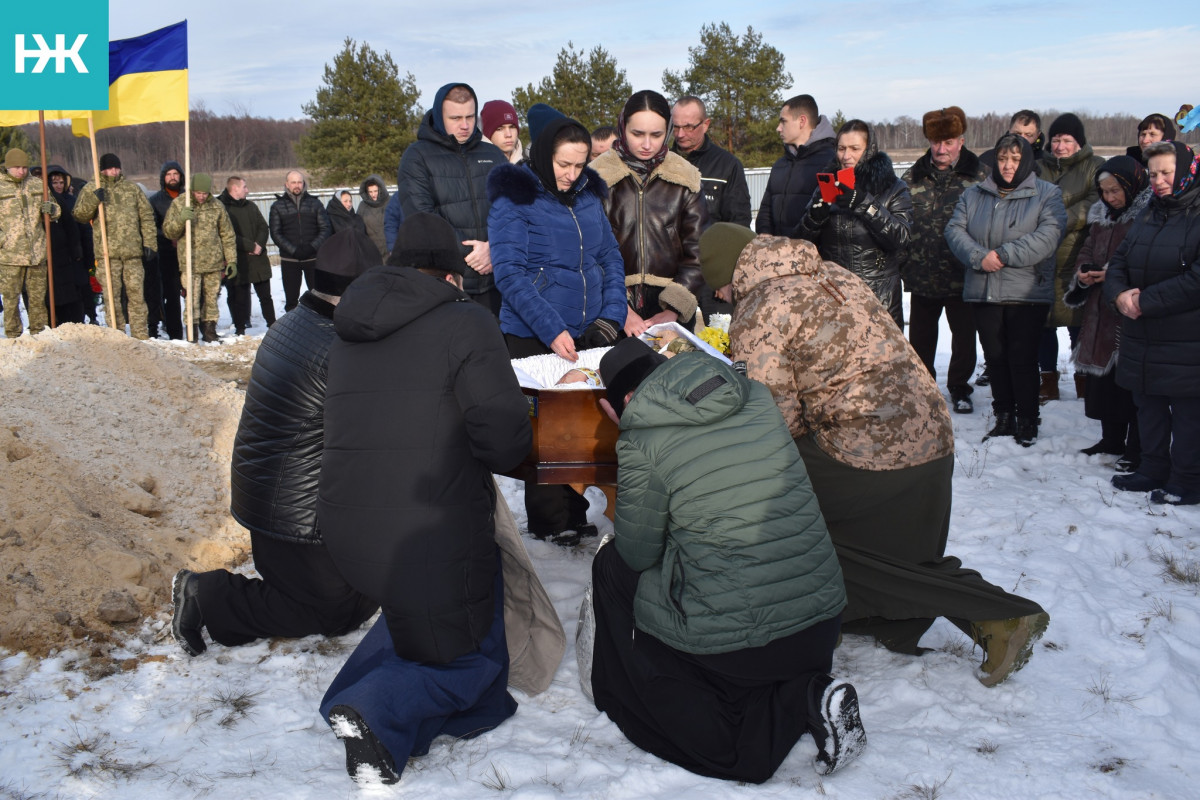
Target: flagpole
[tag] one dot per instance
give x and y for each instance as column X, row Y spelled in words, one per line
column 46, row 217
column 100, row 211
column 187, row 230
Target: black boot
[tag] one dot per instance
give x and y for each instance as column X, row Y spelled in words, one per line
column 1005, row 425
column 1026, row 431
column 209, row 331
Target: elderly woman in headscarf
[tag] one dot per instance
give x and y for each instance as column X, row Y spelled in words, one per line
column 1124, row 193
column 1154, row 128
column 1154, row 280
column 867, row 226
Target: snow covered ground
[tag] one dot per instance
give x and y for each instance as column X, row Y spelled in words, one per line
column 1108, row 707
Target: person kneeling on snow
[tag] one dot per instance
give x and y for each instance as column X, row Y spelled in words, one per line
column 718, row 606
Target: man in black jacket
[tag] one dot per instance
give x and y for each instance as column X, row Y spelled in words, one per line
column 162, row 284
column 808, row 140
column 299, row 226
column 421, row 407
column 722, row 174
column 273, row 480
column 445, row 173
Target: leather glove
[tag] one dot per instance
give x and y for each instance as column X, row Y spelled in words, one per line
column 101, row 194
column 600, row 333
column 231, row 270
column 187, row 213
column 818, row 212
column 47, row 207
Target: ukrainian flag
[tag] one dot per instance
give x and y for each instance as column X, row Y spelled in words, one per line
column 147, row 80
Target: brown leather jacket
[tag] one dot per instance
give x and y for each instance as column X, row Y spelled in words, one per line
column 658, row 225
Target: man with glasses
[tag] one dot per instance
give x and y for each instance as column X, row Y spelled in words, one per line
column 722, row 174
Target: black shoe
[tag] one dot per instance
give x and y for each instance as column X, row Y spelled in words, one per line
column 186, row 622
column 1006, row 425
column 835, row 724
column 983, row 379
column 1174, row 496
column 1126, row 464
column 563, row 538
column 1105, row 448
column 1026, row 431
column 367, row 760
column 963, row 405
column 1136, row 482
column 586, row 530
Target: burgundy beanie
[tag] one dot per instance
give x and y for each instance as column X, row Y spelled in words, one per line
column 496, row 113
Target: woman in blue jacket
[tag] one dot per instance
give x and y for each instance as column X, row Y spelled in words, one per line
column 560, row 275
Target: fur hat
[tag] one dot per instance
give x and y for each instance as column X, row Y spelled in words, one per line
column 496, row 113
column 1069, row 125
column 16, row 157
column 426, row 241
column 342, row 258
column 624, row 367
column 720, row 246
column 944, row 123
column 109, row 161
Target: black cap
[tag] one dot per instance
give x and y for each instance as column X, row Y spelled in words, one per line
column 426, row 241
column 624, row 367
column 109, row 161
column 342, row 258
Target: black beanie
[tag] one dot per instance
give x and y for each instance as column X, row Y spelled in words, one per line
column 624, row 367
column 109, row 161
column 426, row 241
column 342, row 258
column 1071, row 126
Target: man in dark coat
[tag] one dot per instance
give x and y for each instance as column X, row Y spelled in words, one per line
column 164, row 274
column 722, row 174
column 299, row 226
column 273, row 478
column 445, row 172
column 930, row 271
column 421, row 407
column 253, row 264
column 808, row 140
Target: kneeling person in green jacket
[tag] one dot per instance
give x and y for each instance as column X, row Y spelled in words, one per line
column 718, row 606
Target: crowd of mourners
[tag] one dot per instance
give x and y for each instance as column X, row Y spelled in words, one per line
column 764, row 506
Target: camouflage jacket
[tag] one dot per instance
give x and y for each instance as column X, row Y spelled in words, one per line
column 839, row 368
column 22, row 234
column 930, row 268
column 213, row 242
column 128, row 217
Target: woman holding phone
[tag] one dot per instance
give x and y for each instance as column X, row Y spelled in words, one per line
column 861, row 217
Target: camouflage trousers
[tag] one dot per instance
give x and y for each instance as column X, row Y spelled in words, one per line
column 127, row 273
column 33, row 280
column 205, row 286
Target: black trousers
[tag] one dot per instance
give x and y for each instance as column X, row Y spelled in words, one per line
column 1113, row 406
column 732, row 715
column 152, row 292
column 1010, row 335
column 1170, row 434
column 172, row 302
column 301, row 593
column 890, row 528
column 292, row 272
column 923, row 316
column 237, row 297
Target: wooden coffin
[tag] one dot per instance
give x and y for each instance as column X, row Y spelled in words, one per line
column 573, row 440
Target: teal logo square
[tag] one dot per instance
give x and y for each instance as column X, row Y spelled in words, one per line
column 54, row 61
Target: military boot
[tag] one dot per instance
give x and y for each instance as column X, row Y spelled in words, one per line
column 209, row 331
column 1007, row 644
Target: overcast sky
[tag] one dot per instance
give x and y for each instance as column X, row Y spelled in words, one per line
column 875, row 60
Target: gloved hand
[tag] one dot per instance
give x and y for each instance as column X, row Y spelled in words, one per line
column 600, row 333
column 187, row 213
column 847, row 198
column 819, row 212
column 47, row 207
column 101, row 194
column 149, row 255
column 231, row 270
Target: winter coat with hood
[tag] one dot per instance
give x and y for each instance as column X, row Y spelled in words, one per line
column 929, row 269
column 371, row 212
column 70, row 270
column 557, row 264
column 1100, row 329
column 160, row 201
column 724, row 182
column 1023, row 226
column 440, row 176
column 716, row 511
column 22, row 234
column 249, row 229
column 658, row 225
column 839, row 368
column 793, row 180
column 869, row 239
column 299, row 226
column 421, row 407
column 277, row 451
column 1075, row 175
column 341, row 217
column 1160, row 350
column 128, row 217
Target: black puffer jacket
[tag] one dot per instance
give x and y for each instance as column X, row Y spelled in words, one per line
column 421, row 407
column 299, row 229
column 792, row 181
column 869, row 240
column 160, row 201
column 277, row 450
column 1160, row 350
column 724, row 182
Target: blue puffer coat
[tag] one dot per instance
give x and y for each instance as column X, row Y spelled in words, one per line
column 558, row 266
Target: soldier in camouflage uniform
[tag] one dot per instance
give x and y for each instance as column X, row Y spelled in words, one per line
column 214, row 248
column 129, row 223
column 931, row 272
column 23, row 243
column 876, row 440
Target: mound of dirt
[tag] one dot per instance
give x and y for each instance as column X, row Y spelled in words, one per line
column 114, row 473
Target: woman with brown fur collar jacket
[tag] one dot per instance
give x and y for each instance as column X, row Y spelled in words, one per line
column 657, row 211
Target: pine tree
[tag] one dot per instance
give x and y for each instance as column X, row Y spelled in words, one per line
column 364, row 116
column 741, row 80
column 586, row 87
column 17, row 137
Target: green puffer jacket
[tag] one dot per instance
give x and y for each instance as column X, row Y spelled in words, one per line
column 1075, row 175
column 128, row 217
column 716, row 511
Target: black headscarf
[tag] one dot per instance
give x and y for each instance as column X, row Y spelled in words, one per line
column 1130, row 175
column 638, row 102
column 541, row 158
column 1024, row 169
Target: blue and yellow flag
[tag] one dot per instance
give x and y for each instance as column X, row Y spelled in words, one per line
column 147, row 80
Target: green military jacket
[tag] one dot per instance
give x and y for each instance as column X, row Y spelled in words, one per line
column 213, row 242
column 22, row 234
column 128, row 217
column 1075, row 175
